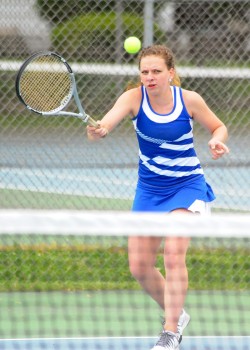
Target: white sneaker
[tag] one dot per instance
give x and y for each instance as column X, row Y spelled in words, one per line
column 182, row 324
column 184, row 320
column 167, row 341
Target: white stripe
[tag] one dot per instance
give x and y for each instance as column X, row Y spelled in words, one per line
column 167, row 143
column 142, row 157
column 165, row 118
column 189, row 135
column 159, row 171
column 177, row 147
column 148, row 138
column 188, row 161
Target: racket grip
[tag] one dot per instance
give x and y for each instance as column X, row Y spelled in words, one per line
column 92, row 122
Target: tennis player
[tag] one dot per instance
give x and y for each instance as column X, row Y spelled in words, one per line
column 170, row 177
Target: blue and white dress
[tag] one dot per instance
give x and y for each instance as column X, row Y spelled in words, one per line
column 170, row 175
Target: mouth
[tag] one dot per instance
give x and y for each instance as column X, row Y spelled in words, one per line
column 150, row 86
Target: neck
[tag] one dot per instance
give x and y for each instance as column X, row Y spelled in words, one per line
column 162, row 98
column 162, row 103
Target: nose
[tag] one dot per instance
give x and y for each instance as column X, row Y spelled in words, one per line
column 150, row 77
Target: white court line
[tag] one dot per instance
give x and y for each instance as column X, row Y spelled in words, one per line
column 129, row 337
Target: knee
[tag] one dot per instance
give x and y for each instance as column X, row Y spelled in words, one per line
column 139, row 269
column 174, row 261
column 175, row 253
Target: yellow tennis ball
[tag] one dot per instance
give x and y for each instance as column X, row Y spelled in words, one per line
column 132, row 44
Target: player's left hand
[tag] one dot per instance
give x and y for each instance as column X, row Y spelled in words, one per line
column 217, row 148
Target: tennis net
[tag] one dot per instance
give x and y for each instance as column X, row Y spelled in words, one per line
column 65, row 281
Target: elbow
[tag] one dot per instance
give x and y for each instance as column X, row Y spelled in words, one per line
column 221, row 131
column 225, row 131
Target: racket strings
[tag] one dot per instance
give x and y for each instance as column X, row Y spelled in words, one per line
column 46, row 84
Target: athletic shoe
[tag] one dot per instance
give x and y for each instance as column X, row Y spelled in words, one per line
column 167, row 341
column 182, row 324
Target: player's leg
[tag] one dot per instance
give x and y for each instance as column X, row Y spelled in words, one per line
column 142, row 252
column 176, row 280
column 176, row 285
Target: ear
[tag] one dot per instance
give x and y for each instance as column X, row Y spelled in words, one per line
column 172, row 73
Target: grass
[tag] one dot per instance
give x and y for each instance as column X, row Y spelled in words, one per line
column 78, row 266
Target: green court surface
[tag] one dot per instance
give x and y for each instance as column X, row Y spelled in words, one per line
column 117, row 313
column 16, row 199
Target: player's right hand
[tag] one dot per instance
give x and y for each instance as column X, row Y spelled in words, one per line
column 95, row 133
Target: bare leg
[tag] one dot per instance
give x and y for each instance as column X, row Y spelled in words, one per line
column 142, row 257
column 170, row 291
column 176, row 278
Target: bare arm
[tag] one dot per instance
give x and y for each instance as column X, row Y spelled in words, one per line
column 200, row 112
column 127, row 104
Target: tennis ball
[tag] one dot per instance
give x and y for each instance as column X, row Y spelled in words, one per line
column 132, row 44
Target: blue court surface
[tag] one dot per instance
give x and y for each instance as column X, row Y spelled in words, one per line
column 120, row 343
column 55, row 165
column 119, row 183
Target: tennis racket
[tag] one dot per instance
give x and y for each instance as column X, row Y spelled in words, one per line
column 46, row 83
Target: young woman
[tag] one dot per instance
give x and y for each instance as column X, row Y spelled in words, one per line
column 170, row 179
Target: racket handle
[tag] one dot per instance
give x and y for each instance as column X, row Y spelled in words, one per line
column 92, row 122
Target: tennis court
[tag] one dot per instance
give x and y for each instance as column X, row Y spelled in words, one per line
column 40, row 169
column 108, row 170
column 61, row 320
column 95, row 183
column 122, row 343
column 62, row 290
column 75, row 290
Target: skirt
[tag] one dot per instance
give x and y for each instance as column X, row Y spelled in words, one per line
column 194, row 195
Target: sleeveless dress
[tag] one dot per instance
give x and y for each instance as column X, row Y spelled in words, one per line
column 169, row 174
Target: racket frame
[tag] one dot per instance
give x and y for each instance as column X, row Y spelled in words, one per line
column 82, row 115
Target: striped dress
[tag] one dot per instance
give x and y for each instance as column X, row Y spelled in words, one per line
column 170, row 175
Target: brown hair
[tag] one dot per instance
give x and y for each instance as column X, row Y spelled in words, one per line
column 160, row 51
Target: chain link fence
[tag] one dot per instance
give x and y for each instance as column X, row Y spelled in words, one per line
column 48, row 162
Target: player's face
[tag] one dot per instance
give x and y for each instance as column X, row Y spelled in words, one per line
column 154, row 74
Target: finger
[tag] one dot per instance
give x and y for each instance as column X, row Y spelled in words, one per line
column 226, row 149
column 212, row 146
column 219, row 151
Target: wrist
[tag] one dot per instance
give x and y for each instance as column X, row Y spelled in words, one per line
column 105, row 132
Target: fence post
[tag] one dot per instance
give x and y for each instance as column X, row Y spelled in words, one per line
column 148, row 23
column 119, row 31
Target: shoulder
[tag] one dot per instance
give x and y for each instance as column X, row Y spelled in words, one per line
column 133, row 93
column 192, row 99
column 199, row 109
column 132, row 98
column 191, row 96
column 130, row 95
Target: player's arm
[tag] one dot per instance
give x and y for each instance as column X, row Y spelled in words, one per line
column 127, row 104
column 200, row 112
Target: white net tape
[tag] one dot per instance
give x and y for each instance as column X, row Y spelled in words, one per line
column 127, row 223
